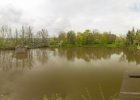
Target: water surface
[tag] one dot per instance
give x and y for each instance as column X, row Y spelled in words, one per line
column 65, row 73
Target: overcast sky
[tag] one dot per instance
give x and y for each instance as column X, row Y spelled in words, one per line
column 116, row 16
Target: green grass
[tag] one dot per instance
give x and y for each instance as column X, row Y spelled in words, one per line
column 89, row 45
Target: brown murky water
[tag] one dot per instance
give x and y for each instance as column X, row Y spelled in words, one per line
column 65, row 74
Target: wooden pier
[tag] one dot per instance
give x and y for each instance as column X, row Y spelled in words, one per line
column 130, row 89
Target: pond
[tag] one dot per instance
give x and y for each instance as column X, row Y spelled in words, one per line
column 65, row 73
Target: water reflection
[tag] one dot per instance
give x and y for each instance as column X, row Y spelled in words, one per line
column 67, row 74
column 132, row 56
column 87, row 54
column 10, row 60
column 42, row 55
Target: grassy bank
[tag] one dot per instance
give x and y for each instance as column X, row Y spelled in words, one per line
column 89, row 45
column 57, row 45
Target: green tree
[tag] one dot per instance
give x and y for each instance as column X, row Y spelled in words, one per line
column 71, row 37
column 97, row 38
column 120, row 42
column 62, row 36
column 137, row 37
column 112, row 38
column 130, row 37
column 88, row 37
column 79, row 39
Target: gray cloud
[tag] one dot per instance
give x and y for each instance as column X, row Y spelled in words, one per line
column 135, row 7
column 10, row 15
column 116, row 16
column 105, row 15
column 60, row 24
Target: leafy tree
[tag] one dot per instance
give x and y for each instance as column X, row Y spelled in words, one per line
column 137, row 37
column 71, row 37
column 97, row 38
column 120, row 42
column 79, row 39
column 130, row 37
column 88, row 37
column 62, row 36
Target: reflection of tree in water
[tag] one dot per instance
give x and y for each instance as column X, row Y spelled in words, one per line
column 42, row 55
column 131, row 56
column 10, row 60
column 65, row 83
column 87, row 53
column 13, row 66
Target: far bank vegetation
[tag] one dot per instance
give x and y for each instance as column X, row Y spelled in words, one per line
column 26, row 37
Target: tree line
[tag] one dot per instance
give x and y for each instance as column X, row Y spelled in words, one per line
column 86, row 38
column 99, row 39
column 26, row 37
